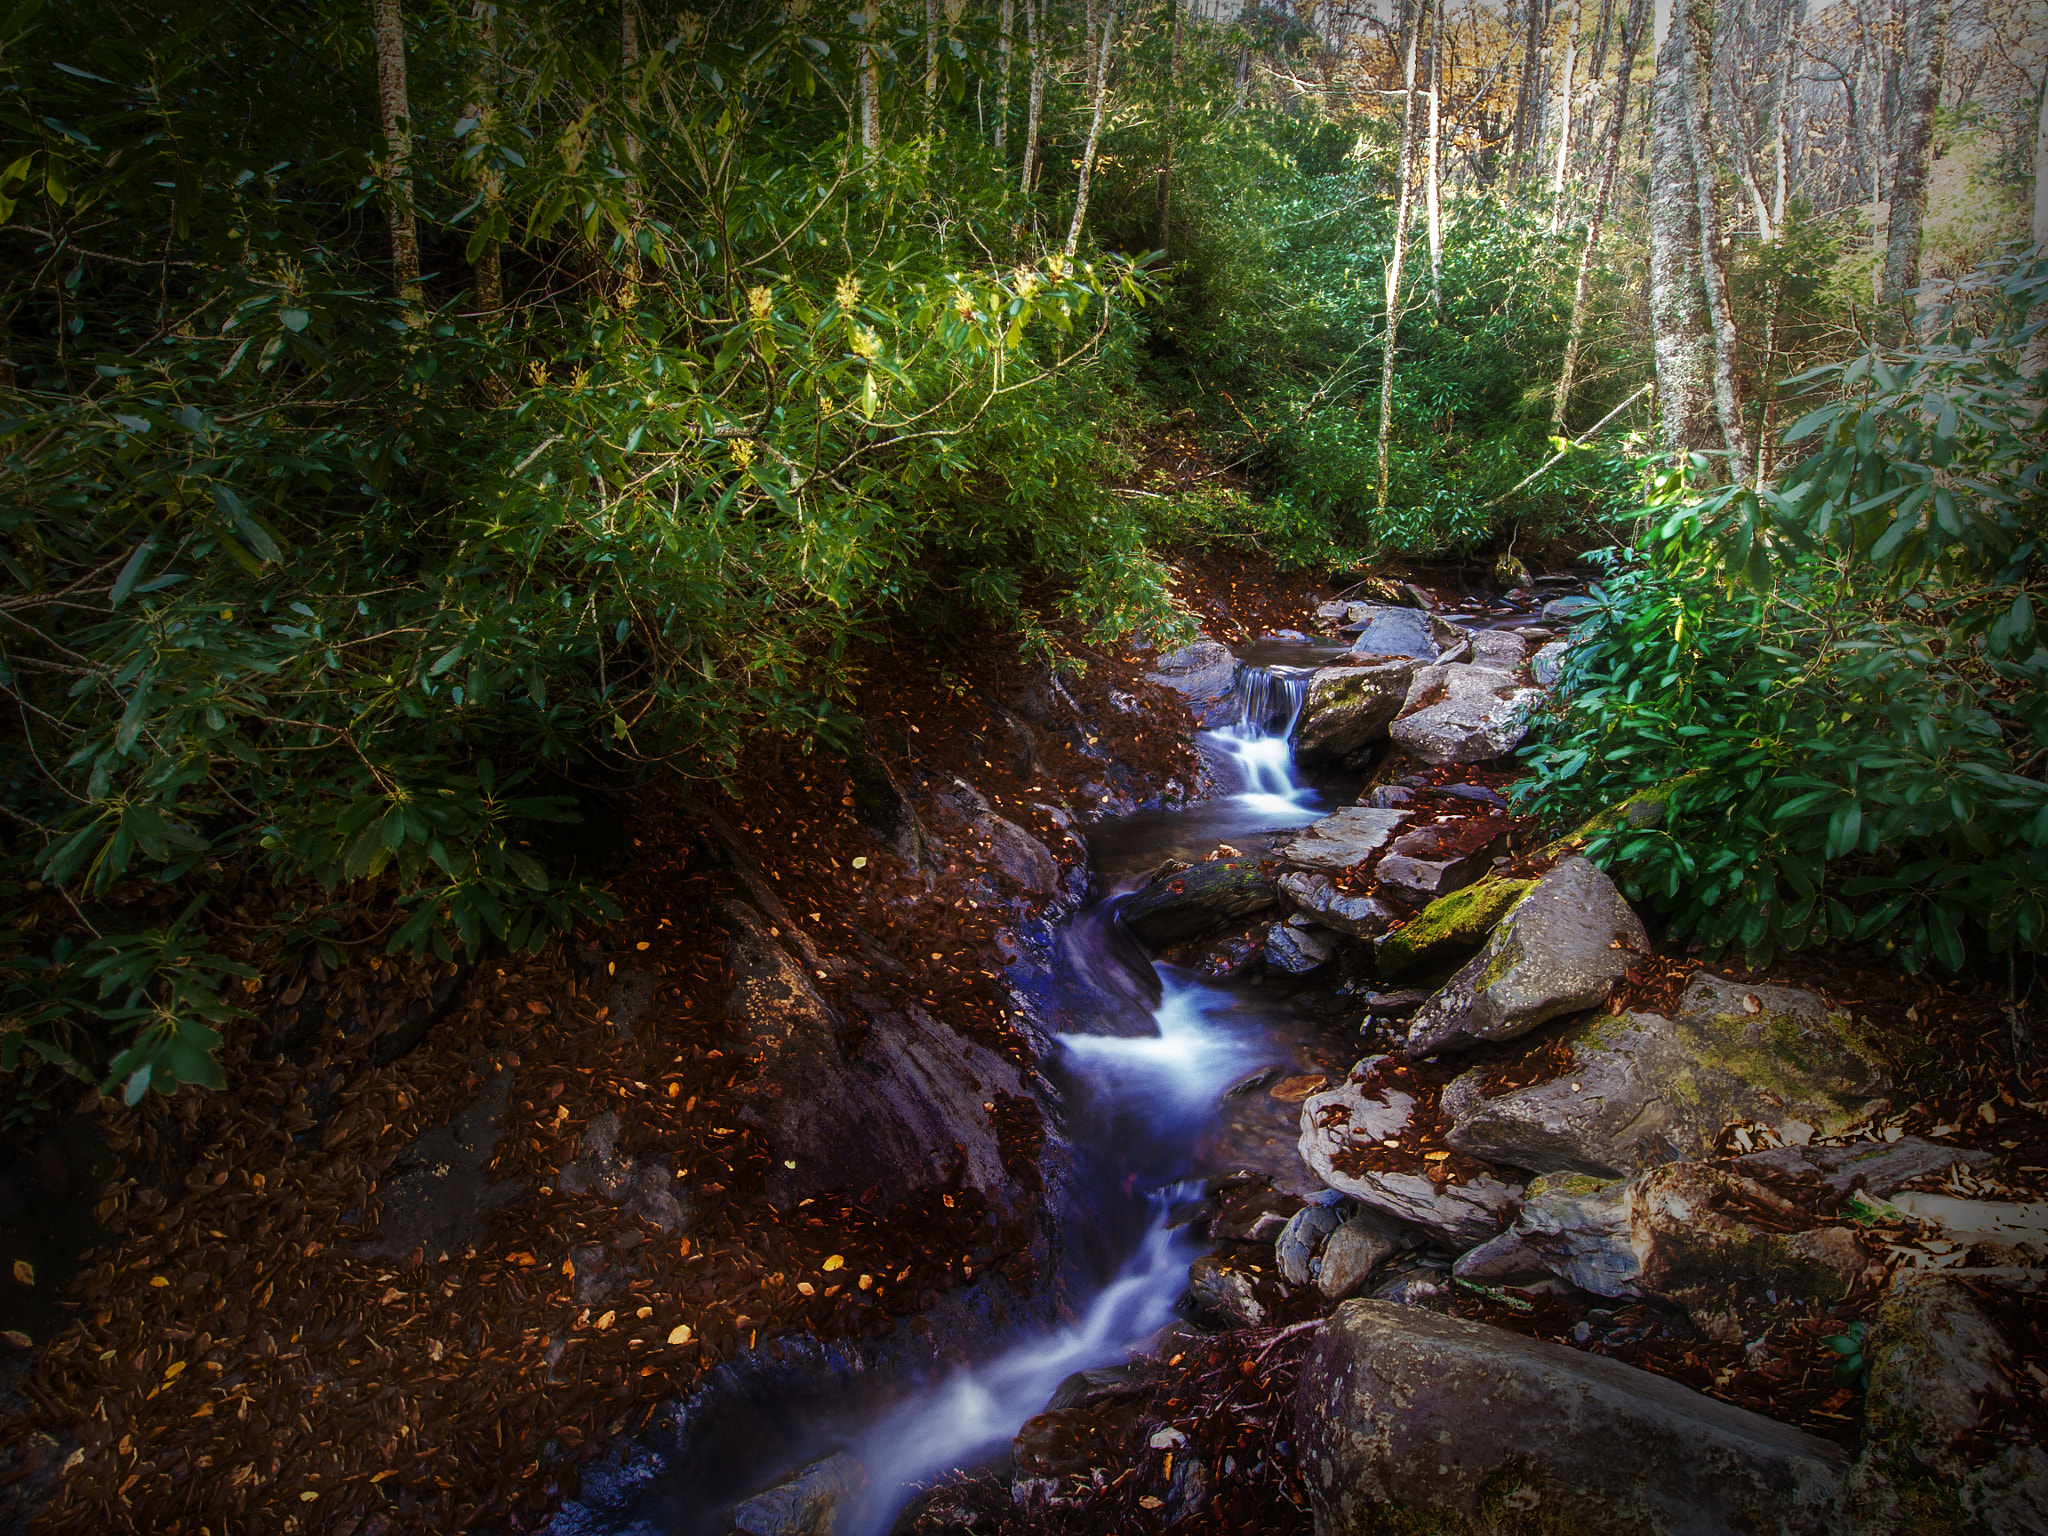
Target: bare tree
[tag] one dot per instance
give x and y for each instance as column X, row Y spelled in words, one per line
column 2035, row 361
column 1678, row 300
column 1035, row 107
column 1564, row 113
column 1432, row 189
column 1107, row 22
column 1695, row 20
column 1631, row 39
column 1401, row 202
column 387, row 20
column 482, row 111
column 1926, row 46
column 1171, row 121
column 870, row 84
column 1004, row 17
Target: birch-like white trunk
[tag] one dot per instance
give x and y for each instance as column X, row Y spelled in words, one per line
column 1564, row 115
column 1631, row 39
column 1035, row 107
column 1401, row 202
column 1172, row 120
column 869, row 84
column 1432, row 178
column 2034, row 361
column 394, row 106
column 1926, row 50
column 1698, row 60
column 1781, row 115
column 1004, row 17
column 1107, row 24
column 1680, row 338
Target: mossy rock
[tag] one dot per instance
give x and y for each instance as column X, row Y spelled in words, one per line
column 1449, row 928
column 1198, row 901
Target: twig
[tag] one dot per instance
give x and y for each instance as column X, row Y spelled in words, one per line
column 1285, row 1333
column 1580, row 442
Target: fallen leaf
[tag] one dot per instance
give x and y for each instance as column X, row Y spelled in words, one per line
column 805, row 1288
column 158, row 1281
column 680, row 1334
column 1149, row 1502
column 837, row 1261
column 24, row 1272
column 605, row 1321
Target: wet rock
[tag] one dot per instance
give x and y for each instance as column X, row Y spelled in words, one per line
column 1197, row 900
column 1548, row 662
column 1879, row 1168
column 1637, row 1089
column 1354, row 1114
column 1393, row 1005
column 1301, row 1239
column 1317, row 896
column 1571, row 1225
column 1187, row 1491
column 1438, row 859
column 1560, row 951
column 1344, row 840
column 645, row 1188
column 1205, row 674
column 1478, row 792
column 1231, row 1291
column 1509, row 574
column 1026, row 861
column 1299, row 952
column 1463, row 714
column 1057, row 1447
column 1352, row 1252
column 1230, row 954
column 1386, row 796
column 1448, row 929
column 1415, row 1291
column 1105, row 1384
column 1566, row 608
column 1501, row 649
column 1401, row 1411
column 881, row 804
column 1401, row 632
column 1347, row 708
column 1253, row 1213
column 808, row 1503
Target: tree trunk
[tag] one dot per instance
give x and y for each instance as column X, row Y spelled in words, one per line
column 629, row 60
column 483, row 110
column 1004, row 18
column 1564, row 115
column 1035, row 105
column 1926, row 49
column 1527, row 87
column 1394, row 260
column 1173, row 111
column 1678, row 298
column 1108, row 26
column 1631, row 39
column 1781, row 117
column 2034, row 362
column 931, row 50
column 870, row 83
column 1432, row 190
column 387, row 18
column 1697, row 60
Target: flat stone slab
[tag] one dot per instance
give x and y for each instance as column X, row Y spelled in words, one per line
column 1401, row 1409
column 1344, row 840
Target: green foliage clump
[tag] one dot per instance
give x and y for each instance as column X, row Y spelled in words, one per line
column 1841, row 677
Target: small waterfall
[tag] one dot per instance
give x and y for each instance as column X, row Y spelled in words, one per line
column 1267, row 701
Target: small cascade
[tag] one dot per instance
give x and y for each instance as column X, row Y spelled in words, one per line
column 1266, row 702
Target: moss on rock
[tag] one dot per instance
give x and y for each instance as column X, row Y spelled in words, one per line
column 1449, row 927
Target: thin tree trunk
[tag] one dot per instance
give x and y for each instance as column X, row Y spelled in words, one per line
column 629, row 61
column 1108, row 27
column 1697, row 60
column 1091, row 21
column 931, row 49
column 1564, row 115
column 1004, row 18
column 1173, row 112
column 483, row 110
column 1926, row 50
column 1401, row 202
column 1034, row 109
column 2034, row 362
column 870, row 83
column 1781, row 117
column 1631, row 39
column 1678, row 299
column 387, row 19
column 1244, row 75
column 1432, row 190
column 1527, row 87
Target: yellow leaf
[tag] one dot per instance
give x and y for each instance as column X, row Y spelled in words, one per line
column 837, row 1261
column 680, row 1334
column 805, row 1287
column 866, row 1281
column 158, row 1281
column 308, row 1496
column 605, row 1321
column 177, row 1369
column 380, row 1477
column 24, row 1272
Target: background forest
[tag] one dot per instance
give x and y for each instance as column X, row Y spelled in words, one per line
column 413, row 411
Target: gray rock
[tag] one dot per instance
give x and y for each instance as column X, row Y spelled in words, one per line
column 1203, row 673
column 2010, row 1496
column 1344, row 840
column 1386, row 796
column 1299, row 951
column 1501, row 649
column 1401, row 1410
column 1402, row 632
column 438, row 1196
column 808, row 1503
column 1934, row 1352
column 1418, row 866
column 1879, row 1168
column 1415, row 1291
column 1352, row 1252
column 1019, row 855
column 1225, row 1291
column 1302, row 1238
column 645, row 1188
column 1197, row 900
column 1566, row 607
column 1397, row 1004
column 1641, row 1090
column 1317, row 895
column 1545, row 665
column 1559, row 952
column 1334, row 1121
column 1346, row 708
column 1578, row 1229
column 1475, row 714
column 1104, row 1384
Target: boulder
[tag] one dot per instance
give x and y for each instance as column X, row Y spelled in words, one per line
column 1104, row 1384
column 1233, row 1289
column 1346, row 708
column 1402, row 1414
column 1501, row 649
column 1463, row 714
column 1021, row 857
column 1934, row 1351
column 1299, row 951
column 1509, row 573
column 1448, row 929
column 1191, row 902
column 1344, row 840
column 1571, row 1225
column 1401, row 632
column 1783, row 1042
column 1548, row 662
column 1318, row 896
column 1205, row 674
column 1352, row 1252
column 807, row 1503
column 1559, row 952
column 1443, row 857
column 1355, row 1114
column 1633, row 1090
column 1566, row 608
column 1302, row 1239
